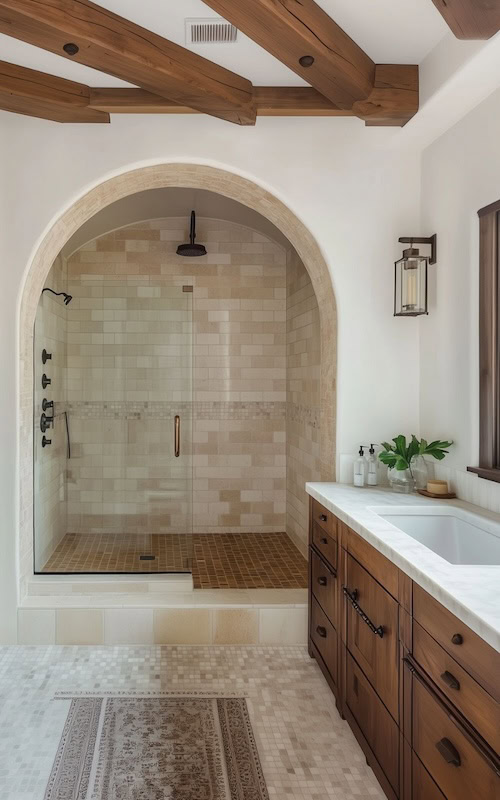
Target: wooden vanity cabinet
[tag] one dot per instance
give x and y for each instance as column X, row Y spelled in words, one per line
column 419, row 689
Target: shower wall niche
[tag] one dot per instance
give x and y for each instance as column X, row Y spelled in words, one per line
column 229, row 342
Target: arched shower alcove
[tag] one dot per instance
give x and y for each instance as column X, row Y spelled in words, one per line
column 185, row 176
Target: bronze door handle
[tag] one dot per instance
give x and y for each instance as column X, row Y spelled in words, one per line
column 449, row 752
column 321, row 631
column 177, row 435
column 322, row 580
column 450, row 680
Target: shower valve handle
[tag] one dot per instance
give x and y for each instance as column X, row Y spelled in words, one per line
column 45, row 381
column 47, row 404
column 45, row 422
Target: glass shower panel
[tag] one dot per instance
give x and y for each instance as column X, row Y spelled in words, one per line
column 128, row 390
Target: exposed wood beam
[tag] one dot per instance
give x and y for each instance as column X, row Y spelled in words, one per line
column 27, row 91
column 271, row 101
column 471, row 19
column 121, row 48
column 293, row 29
column 394, row 98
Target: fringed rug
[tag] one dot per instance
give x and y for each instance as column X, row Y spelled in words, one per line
column 164, row 747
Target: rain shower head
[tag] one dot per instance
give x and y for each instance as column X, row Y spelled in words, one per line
column 192, row 250
column 67, row 297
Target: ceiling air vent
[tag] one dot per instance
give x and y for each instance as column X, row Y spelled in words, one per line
column 210, row 31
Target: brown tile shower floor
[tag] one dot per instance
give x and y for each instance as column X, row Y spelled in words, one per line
column 220, row 560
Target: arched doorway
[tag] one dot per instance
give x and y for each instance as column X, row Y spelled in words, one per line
column 170, row 175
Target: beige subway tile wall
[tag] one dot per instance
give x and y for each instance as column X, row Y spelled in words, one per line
column 129, row 374
column 303, row 398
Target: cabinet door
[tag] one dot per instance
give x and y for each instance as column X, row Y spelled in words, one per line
column 324, row 637
column 324, row 586
column 372, row 633
column 374, row 721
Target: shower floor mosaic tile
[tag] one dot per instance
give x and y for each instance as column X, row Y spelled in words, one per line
column 219, row 560
column 306, row 751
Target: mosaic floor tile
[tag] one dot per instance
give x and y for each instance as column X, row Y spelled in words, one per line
column 219, row 560
column 307, row 751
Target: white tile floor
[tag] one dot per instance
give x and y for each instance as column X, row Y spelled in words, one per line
column 307, row 752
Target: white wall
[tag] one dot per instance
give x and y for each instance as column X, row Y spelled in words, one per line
column 460, row 174
column 347, row 185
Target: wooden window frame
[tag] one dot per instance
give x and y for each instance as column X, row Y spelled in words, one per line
column 489, row 343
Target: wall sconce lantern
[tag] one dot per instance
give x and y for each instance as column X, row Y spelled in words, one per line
column 410, row 277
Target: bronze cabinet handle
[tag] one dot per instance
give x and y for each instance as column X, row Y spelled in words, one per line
column 353, row 597
column 322, row 580
column 324, row 540
column 177, row 435
column 449, row 752
column 450, row 680
column 321, row 631
column 457, row 638
column 323, row 517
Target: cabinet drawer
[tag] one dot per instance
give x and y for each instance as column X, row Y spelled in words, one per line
column 324, row 636
column 372, row 632
column 374, row 721
column 452, row 759
column 324, row 586
column 466, row 647
column 477, row 706
column 326, row 545
column 422, row 785
column 324, row 518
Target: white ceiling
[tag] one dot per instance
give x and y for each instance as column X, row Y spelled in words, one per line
column 390, row 31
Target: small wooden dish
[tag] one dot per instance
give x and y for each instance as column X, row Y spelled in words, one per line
column 447, row 496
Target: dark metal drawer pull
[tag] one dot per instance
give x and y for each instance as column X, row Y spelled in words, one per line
column 450, row 680
column 449, row 752
column 324, row 540
column 352, row 596
column 323, row 517
column 322, row 581
column 321, row 631
column 457, row 638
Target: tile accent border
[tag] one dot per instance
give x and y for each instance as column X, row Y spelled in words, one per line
column 195, row 176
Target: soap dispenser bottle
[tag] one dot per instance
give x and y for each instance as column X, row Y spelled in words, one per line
column 359, row 468
column 372, row 467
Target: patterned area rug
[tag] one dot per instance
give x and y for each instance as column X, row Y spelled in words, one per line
column 157, row 748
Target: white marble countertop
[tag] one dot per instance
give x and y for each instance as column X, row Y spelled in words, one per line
column 472, row 593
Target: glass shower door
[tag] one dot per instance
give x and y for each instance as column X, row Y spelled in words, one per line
column 125, row 388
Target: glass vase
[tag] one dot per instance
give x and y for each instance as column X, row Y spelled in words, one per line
column 420, row 474
column 401, row 480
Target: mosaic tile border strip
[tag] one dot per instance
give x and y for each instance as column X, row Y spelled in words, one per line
column 113, row 409
column 306, row 415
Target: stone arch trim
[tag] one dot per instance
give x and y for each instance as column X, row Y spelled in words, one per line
column 196, row 176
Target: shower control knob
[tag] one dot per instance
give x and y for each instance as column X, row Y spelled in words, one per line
column 45, row 381
column 46, row 441
column 45, row 422
column 47, row 404
column 45, row 356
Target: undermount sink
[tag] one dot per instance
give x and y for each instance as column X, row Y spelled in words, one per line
column 458, row 536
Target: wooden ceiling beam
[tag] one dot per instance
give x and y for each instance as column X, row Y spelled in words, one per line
column 394, row 97
column 98, row 38
column 270, row 101
column 302, row 36
column 36, row 94
column 471, row 19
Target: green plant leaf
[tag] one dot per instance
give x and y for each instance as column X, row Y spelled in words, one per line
column 413, row 448
column 400, row 445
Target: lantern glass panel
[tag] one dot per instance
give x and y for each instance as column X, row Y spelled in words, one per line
column 410, row 296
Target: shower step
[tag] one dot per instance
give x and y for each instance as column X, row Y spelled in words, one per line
column 41, row 585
